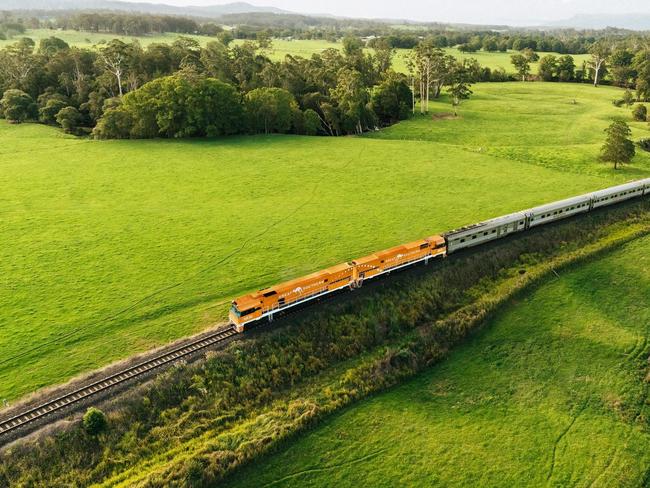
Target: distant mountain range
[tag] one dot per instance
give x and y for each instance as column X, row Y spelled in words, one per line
column 600, row 21
column 150, row 8
column 582, row 21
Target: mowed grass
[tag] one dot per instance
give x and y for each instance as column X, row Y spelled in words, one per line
column 279, row 49
column 112, row 247
column 551, row 393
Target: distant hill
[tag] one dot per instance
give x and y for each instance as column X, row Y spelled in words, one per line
column 601, row 21
column 151, row 8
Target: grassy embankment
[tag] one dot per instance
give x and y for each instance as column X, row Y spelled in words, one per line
column 197, row 423
column 280, row 49
column 110, row 248
column 553, row 392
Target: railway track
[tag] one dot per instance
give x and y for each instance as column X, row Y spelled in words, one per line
column 34, row 415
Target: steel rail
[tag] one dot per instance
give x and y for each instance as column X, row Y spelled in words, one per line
column 43, row 410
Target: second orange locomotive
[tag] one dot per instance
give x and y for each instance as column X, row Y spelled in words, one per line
column 265, row 303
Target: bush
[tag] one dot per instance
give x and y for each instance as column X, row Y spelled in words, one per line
column 312, row 122
column 640, row 113
column 94, row 421
column 392, row 100
column 618, row 102
column 69, row 119
column 628, row 98
column 270, row 110
column 47, row 113
column 114, row 124
column 644, row 144
column 17, row 106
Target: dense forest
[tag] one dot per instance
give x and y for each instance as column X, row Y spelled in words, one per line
column 182, row 89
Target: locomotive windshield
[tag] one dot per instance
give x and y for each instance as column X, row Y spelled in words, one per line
column 235, row 310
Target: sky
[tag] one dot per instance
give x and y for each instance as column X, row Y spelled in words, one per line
column 513, row 12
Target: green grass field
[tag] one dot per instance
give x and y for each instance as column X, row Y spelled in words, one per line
column 279, row 50
column 551, row 393
column 112, row 247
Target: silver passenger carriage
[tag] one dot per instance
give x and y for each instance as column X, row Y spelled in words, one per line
column 483, row 232
column 619, row 193
column 558, row 210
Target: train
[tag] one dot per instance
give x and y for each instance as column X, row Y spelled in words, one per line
column 266, row 303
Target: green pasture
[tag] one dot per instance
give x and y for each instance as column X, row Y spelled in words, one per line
column 553, row 392
column 112, row 247
column 279, row 49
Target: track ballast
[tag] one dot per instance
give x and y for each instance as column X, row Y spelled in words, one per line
column 32, row 416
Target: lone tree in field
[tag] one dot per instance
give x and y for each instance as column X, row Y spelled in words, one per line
column 618, row 147
column 521, row 64
column 94, row 421
column 459, row 86
column 599, row 54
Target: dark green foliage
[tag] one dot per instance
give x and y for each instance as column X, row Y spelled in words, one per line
column 69, row 119
column 391, row 100
column 17, row 106
column 182, row 105
column 618, row 147
column 565, row 69
column 530, row 55
column 270, row 110
column 51, row 45
column 94, row 421
column 47, row 113
column 548, row 68
column 644, row 144
column 641, row 65
column 312, row 123
column 640, row 113
column 521, row 64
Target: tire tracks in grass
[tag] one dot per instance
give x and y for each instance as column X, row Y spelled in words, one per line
column 326, row 468
column 608, row 464
column 636, row 352
column 562, row 435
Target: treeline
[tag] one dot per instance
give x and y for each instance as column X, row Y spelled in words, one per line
column 251, row 25
column 182, row 89
column 128, row 24
column 490, row 41
column 623, row 63
column 10, row 27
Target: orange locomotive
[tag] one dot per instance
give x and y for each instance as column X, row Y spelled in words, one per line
column 265, row 303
